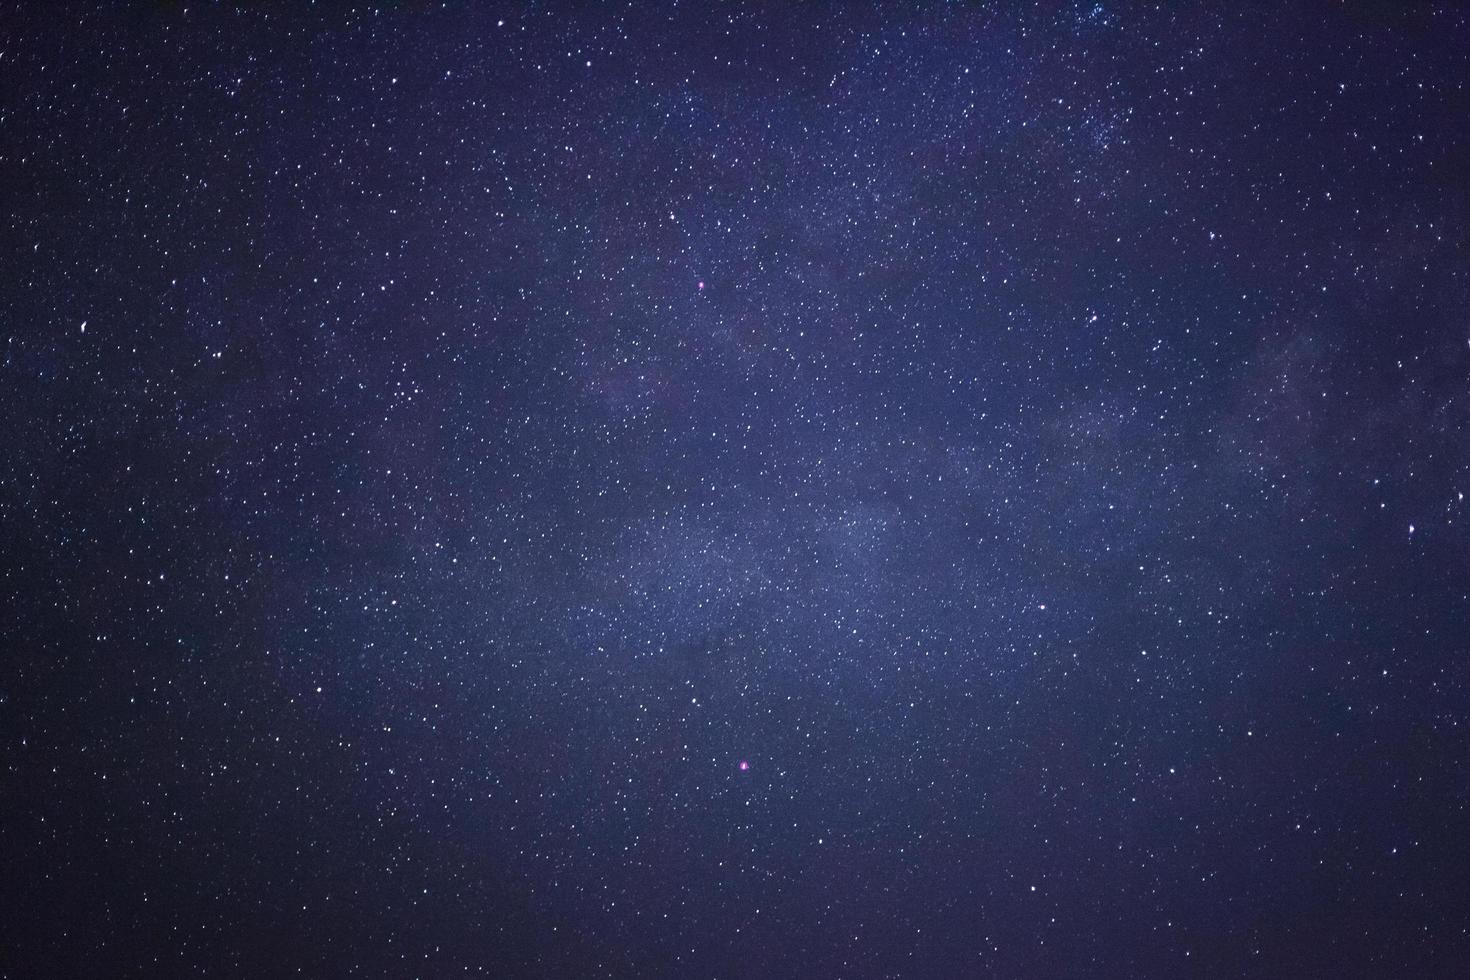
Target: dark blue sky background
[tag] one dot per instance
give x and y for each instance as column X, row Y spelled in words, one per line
column 445, row 441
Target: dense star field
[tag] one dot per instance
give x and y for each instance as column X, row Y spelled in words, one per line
column 713, row 491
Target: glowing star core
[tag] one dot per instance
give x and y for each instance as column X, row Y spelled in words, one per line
column 744, row 766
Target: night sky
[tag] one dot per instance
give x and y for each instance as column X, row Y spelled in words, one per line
column 785, row 490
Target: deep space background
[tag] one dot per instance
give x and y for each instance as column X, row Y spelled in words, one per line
column 734, row 491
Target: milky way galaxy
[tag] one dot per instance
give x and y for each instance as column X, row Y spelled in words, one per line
column 735, row 491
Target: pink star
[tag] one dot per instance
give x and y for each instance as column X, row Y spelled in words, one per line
column 701, row 284
column 744, row 766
